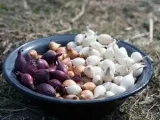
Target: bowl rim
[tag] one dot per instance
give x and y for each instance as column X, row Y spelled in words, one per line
column 64, row 101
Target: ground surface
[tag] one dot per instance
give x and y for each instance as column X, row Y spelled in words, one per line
column 25, row 20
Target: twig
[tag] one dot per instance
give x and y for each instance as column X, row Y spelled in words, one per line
column 131, row 109
column 25, row 4
column 156, row 63
column 151, row 29
column 23, row 105
column 13, row 110
column 8, row 48
column 150, row 109
column 81, row 13
column 134, row 105
column 8, row 116
column 65, row 30
column 139, row 36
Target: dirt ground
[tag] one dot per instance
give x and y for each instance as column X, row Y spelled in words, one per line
column 24, row 20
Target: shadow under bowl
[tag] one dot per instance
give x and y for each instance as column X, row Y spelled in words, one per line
column 71, row 108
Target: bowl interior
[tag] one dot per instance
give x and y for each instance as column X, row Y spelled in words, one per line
column 41, row 46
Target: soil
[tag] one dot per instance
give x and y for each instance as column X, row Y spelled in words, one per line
column 24, row 20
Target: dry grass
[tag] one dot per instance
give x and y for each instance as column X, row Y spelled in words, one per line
column 24, row 20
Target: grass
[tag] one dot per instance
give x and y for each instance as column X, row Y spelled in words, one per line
column 25, row 20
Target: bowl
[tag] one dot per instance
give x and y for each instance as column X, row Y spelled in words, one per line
column 72, row 108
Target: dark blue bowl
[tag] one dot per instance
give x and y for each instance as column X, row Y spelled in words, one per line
column 72, row 107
